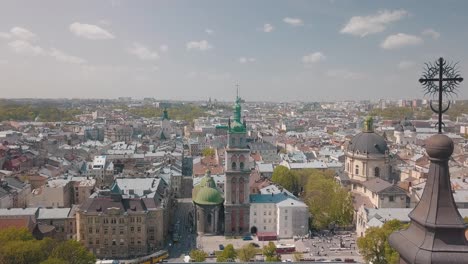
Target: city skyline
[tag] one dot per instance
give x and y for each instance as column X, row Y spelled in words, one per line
column 180, row 50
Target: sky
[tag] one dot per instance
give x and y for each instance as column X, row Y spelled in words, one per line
column 193, row 50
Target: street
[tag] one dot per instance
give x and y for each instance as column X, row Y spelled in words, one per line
column 182, row 227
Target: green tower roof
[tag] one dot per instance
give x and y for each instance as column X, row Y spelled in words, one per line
column 165, row 115
column 206, row 193
column 237, row 126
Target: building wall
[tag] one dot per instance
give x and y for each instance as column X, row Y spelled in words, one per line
column 366, row 167
column 119, row 235
column 263, row 216
column 292, row 221
column 52, row 197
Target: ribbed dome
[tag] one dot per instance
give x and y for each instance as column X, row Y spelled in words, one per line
column 208, row 196
column 368, row 143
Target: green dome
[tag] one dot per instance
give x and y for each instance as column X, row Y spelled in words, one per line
column 208, row 196
column 237, row 127
column 207, row 181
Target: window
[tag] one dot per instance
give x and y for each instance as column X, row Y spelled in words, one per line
column 264, row 213
column 139, row 229
column 357, row 169
column 377, row 172
column 233, row 165
column 391, row 198
column 90, row 230
column 132, row 229
column 241, row 165
column 255, row 213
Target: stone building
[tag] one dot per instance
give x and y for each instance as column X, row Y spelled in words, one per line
column 368, row 169
column 237, row 169
column 208, row 200
column 126, row 221
column 405, row 133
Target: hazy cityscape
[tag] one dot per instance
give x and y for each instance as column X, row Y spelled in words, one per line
column 174, row 142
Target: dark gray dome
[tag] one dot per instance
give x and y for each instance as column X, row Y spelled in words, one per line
column 399, row 128
column 368, row 143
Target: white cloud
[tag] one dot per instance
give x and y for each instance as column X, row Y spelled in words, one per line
column 244, row 60
column 18, row 33
column 24, row 47
column 209, row 31
column 404, row 65
column 431, row 33
column 3, row 62
column 164, row 48
column 143, row 52
column 90, row 31
column 5, row 35
column 22, row 33
column 268, row 28
column 400, row 40
column 313, row 57
column 293, row 21
column 63, row 57
column 366, row 25
column 199, row 45
column 345, row 74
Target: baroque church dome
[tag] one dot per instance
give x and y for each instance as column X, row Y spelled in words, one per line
column 368, row 142
column 206, row 192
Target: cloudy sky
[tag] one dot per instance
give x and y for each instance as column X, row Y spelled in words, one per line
column 192, row 50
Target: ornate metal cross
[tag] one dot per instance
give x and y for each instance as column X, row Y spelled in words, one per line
column 448, row 80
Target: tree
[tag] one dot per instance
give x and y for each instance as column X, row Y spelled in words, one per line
column 286, row 178
column 74, row 252
column 328, row 202
column 54, row 261
column 228, row 253
column 19, row 246
column 208, row 152
column 298, row 256
column 269, row 251
column 198, row 255
column 466, row 220
column 247, row 252
column 374, row 246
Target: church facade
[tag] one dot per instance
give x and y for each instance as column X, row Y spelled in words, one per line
column 228, row 215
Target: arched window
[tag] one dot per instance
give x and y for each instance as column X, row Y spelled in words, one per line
column 233, row 166
column 377, row 172
column 241, row 190
column 357, row 169
column 241, row 165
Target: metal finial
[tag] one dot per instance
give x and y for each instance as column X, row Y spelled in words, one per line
column 440, row 78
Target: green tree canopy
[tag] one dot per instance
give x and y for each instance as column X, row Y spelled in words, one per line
column 328, row 202
column 269, row 251
column 208, row 152
column 374, row 246
column 247, row 252
column 286, row 178
column 228, row 253
column 198, row 255
column 18, row 246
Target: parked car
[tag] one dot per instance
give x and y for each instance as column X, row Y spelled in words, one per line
column 255, row 245
column 245, row 238
column 221, row 247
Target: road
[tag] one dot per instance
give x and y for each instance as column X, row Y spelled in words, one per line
column 182, row 225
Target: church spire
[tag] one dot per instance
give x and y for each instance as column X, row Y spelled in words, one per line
column 165, row 115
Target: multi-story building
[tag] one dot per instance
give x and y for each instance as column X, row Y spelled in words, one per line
column 128, row 221
column 279, row 215
column 237, row 169
column 55, row 193
column 62, row 219
column 102, row 170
